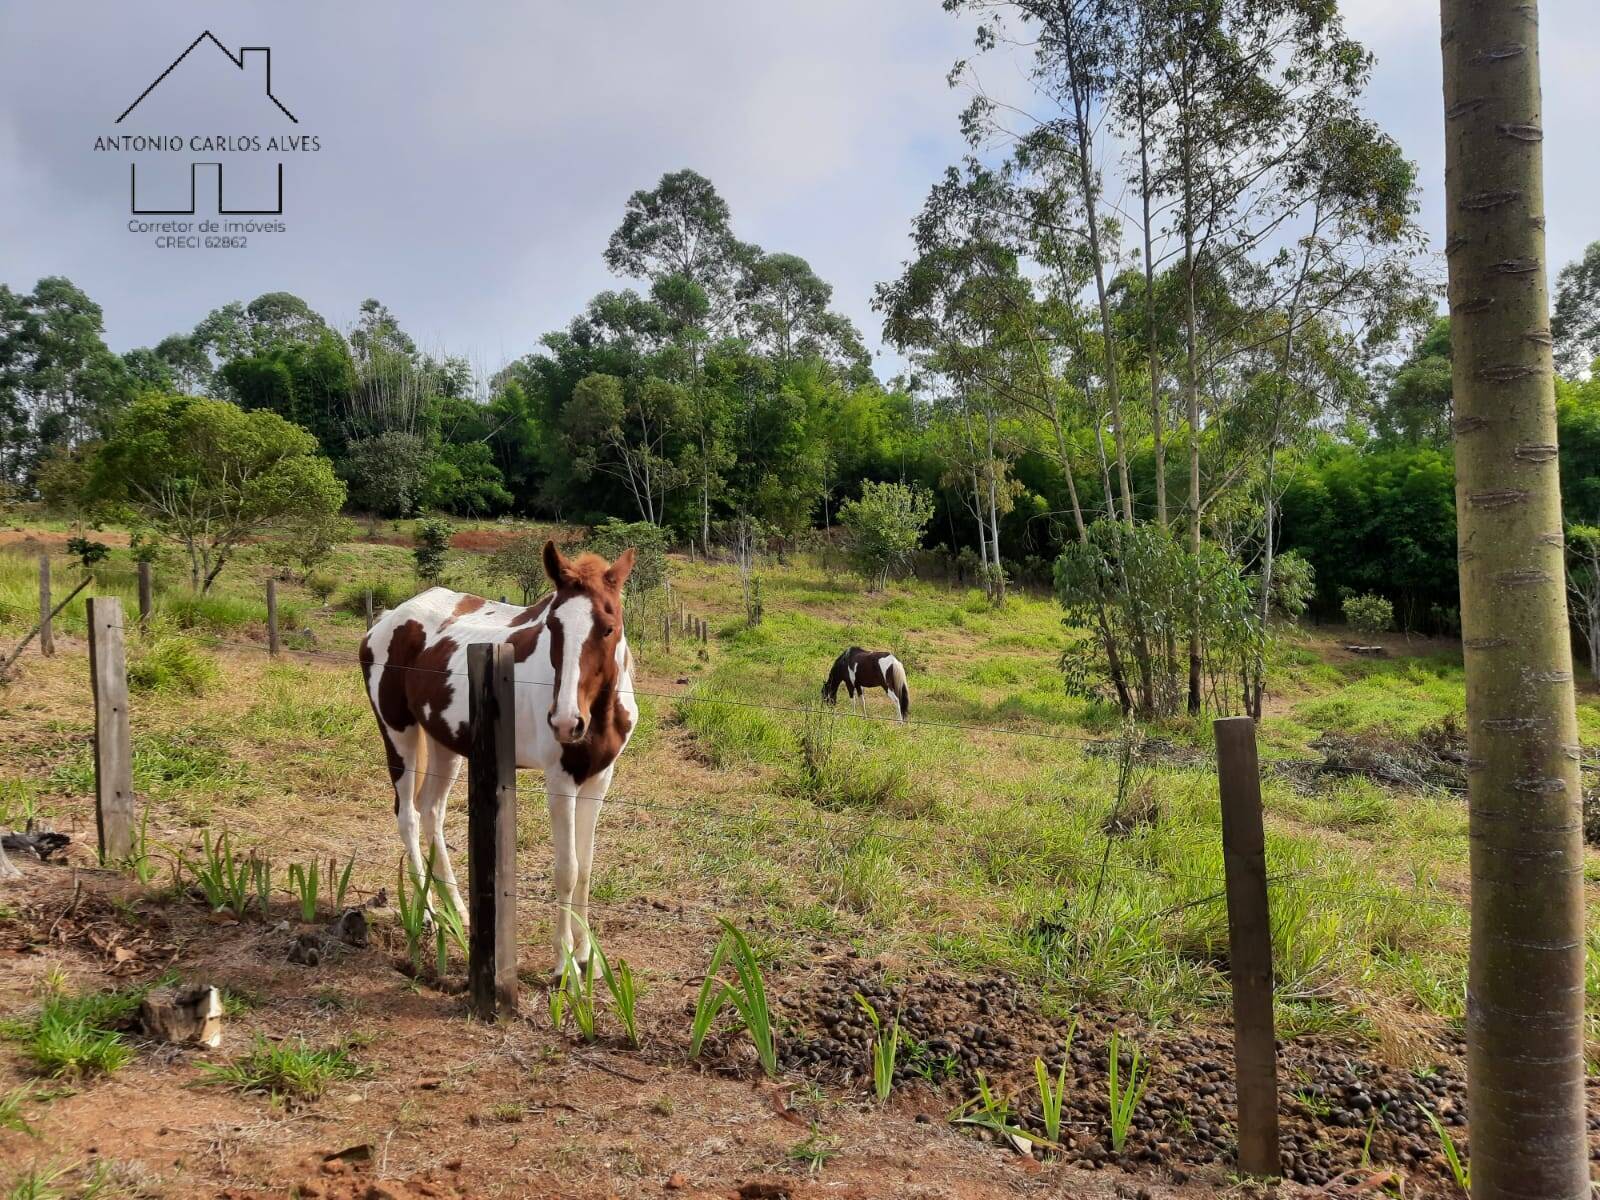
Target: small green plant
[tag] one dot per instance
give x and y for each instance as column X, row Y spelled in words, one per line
column 883, row 1050
column 749, row 997
column 78, row 1035
column 990, row 1111
column 619, row 982
column 304, row 882
column 296, row 1071
column 165, row 661
column 341, row 884
column 224, row 878
column 448, row 926
column 814, row 1152
column 578, row 984
column 1460, row 1171
column 37, row 1183
column 139, row 860
column 261, row 877
column 412, row 907
column 1123, row 1097
column 1051, row 1095
column 11, row 1108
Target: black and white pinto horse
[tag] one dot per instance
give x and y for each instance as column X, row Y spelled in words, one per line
column 575, row 711
column 857, row 670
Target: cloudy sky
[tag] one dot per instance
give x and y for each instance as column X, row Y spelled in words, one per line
column 471, row 167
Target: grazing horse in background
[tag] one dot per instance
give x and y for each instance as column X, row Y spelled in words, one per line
column 859, row 669
column 575, row 710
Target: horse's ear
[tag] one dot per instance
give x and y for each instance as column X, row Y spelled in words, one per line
column 554, row 565
column 617, row 574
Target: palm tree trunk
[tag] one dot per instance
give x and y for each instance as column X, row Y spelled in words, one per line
column 1525, row 982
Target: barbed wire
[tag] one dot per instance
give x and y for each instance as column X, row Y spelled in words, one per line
column 1301, row 880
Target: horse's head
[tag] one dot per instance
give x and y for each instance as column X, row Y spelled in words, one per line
column 585, row 628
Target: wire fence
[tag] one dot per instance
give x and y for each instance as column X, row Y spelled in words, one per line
column 817, row 823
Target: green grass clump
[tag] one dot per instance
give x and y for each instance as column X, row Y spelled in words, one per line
column 220, row 613
column 387, row 592
column 166, row 661
column 78, row 1035
column 287, row 1070
column 732, row 733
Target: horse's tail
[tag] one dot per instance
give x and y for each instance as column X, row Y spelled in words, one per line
column 897, row 681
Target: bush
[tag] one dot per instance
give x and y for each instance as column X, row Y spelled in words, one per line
column 88, row 552
column 650, row 547
column 1369, row 613
column 884, row 528
column 166, row 661
column 433, row 543
column 521, row 560
column 386, row 593
column 224, row 614
column 321, row 586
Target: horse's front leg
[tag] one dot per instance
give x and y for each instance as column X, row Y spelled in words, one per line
column 561, row 795
column 586, row 816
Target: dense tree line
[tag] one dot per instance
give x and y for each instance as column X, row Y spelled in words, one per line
column 1248, row 363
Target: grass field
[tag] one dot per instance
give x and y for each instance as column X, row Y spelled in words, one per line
column 976, row 838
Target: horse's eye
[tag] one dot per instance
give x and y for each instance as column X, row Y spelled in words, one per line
column 610, row 629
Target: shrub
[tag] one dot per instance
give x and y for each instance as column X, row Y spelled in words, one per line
column 88, row 552
column 649, row 543
column 1369, row 613
column 386, row 593
column 322, row 586
column 884, row 528
column 432, row 544
column 521, row 560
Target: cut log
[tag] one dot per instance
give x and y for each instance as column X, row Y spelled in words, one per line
column 192, row 1015
column 1375, row 651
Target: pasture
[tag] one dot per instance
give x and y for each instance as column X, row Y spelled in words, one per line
column 1012, row 864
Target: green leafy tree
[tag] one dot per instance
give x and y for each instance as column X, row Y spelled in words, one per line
column 432, row 546
column 389, row 472
column 1583, row 588
column 207, row 475
column 1575, row 316
column 1416, row 406
column 884, row 528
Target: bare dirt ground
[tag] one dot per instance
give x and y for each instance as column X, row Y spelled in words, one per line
column 455, row 1108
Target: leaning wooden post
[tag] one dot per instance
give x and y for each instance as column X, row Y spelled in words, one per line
column 47, row 642
column 1244, row 861
column 492, row 830
column 113, row 751
column 272, row 617
column 366, row 600
column 666, row 631
column 145, row 604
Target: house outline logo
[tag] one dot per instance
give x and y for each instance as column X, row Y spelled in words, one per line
column 236, row 59
column 239, row 61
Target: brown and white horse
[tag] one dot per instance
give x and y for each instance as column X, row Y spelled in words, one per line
column 575, row 710
column 857, row 670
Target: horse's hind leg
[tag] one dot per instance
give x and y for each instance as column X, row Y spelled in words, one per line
column 433, row 795
column 405, row 768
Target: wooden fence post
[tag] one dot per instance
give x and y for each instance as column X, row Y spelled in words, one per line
column 366, row 601
column 47, row 641
column 145, row 602
column 272, row 617
column 666, row 631
column 113, row 751
column 492, row 830
column 1249, row 945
